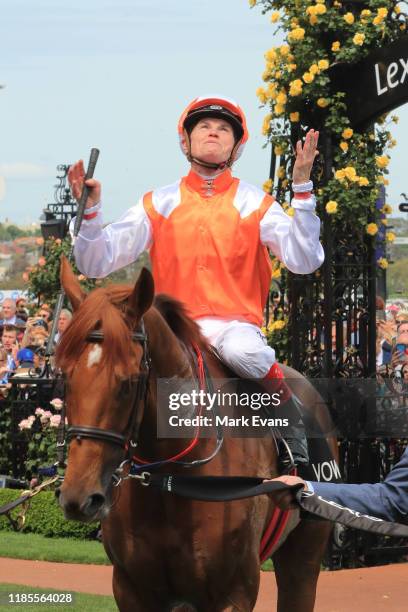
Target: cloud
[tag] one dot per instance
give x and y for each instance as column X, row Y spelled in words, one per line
column 24, row 171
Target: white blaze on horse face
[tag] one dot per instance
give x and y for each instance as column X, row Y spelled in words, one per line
column 95, row 355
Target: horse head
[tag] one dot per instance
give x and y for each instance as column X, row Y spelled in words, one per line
column 102, row 354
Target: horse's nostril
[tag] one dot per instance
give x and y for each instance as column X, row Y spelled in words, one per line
column 93, row 504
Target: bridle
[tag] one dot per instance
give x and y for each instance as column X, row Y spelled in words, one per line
column 130, row 436
column 129, row 439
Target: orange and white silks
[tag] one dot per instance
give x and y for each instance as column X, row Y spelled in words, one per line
column 208, row 240
column 206, row 249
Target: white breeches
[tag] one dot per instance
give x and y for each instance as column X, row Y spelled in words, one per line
column 242, row 346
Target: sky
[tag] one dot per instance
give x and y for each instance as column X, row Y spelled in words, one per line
column 116, row 74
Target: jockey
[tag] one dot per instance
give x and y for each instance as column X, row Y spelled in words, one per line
column 208, row 235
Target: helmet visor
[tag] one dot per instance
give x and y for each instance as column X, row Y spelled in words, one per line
column 217, row 111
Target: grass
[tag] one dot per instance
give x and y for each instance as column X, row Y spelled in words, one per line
column 39, row 548
column 82, row 601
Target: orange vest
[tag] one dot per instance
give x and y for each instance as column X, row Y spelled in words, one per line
column 206, row 249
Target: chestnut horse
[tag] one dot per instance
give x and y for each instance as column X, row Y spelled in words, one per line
column 168, row 553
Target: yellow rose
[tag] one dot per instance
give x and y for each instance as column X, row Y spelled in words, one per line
column 263, row 330
column 331, row 207
column 340, row 175
column 314, row 69
column 276, row 273
column 266, row 124
column 279, row 324
column 279, row 109
column 290, row 211
column 395, row 119
column 377, row 20
column 323, row 102
column 320, row 9
column 308, row 77
column 261, row 94
column 323, row 64
column 284, row 50
column 382, row 161
column 295, row 87
column 387, row 209
column 383, row 263
column 349, row 18
column 384, row 221
column 365, row 13
column 278, row 150
column 363, row 181
column 271, row 91
column 296, row 34
column 271, row 55
column 281, row 97
column 275, row 16
column 281, row 172
column 252, row 3
column 350, row 173
column 294, row 117
column 335, row 46
column 311, row 10
column 390, row 236
column 313, row 20
column 347, row 133
column 372, row 229
column 267, row 186
column 344, row 146
column 358, row 39
column 382, row 12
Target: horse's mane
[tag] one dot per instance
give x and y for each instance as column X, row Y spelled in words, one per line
column 105, row 309
column 176, row 317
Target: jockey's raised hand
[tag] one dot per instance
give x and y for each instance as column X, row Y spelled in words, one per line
column 305, row 157
column 76, row 175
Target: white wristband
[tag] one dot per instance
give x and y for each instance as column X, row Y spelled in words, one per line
column 302, row 187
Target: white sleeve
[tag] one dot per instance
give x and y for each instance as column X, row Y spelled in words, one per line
column 294, row 240
column 101, row 250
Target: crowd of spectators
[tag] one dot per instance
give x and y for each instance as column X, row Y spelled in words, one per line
column 24, row 333
column 392, row 337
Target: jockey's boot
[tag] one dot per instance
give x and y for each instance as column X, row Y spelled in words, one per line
column 295, row 451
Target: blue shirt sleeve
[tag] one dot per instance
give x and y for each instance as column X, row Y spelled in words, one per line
column 387, row 500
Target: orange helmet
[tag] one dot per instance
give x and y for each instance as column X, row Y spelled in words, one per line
column 222, row 108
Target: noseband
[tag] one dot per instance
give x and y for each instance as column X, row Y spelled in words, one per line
column 106, row 435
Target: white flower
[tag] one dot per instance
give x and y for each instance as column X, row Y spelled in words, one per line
column 57, row 403
column 39, row 411
column 55, row 420
column 24, row 424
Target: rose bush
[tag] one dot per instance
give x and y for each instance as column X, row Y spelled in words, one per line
column 298, row 94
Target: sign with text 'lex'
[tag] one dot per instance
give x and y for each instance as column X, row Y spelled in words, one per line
column 376, row 84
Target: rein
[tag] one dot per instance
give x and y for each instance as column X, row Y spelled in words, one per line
column 212, row 488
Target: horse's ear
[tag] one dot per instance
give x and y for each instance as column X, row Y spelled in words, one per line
column 71, row 284
column 142, row 295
